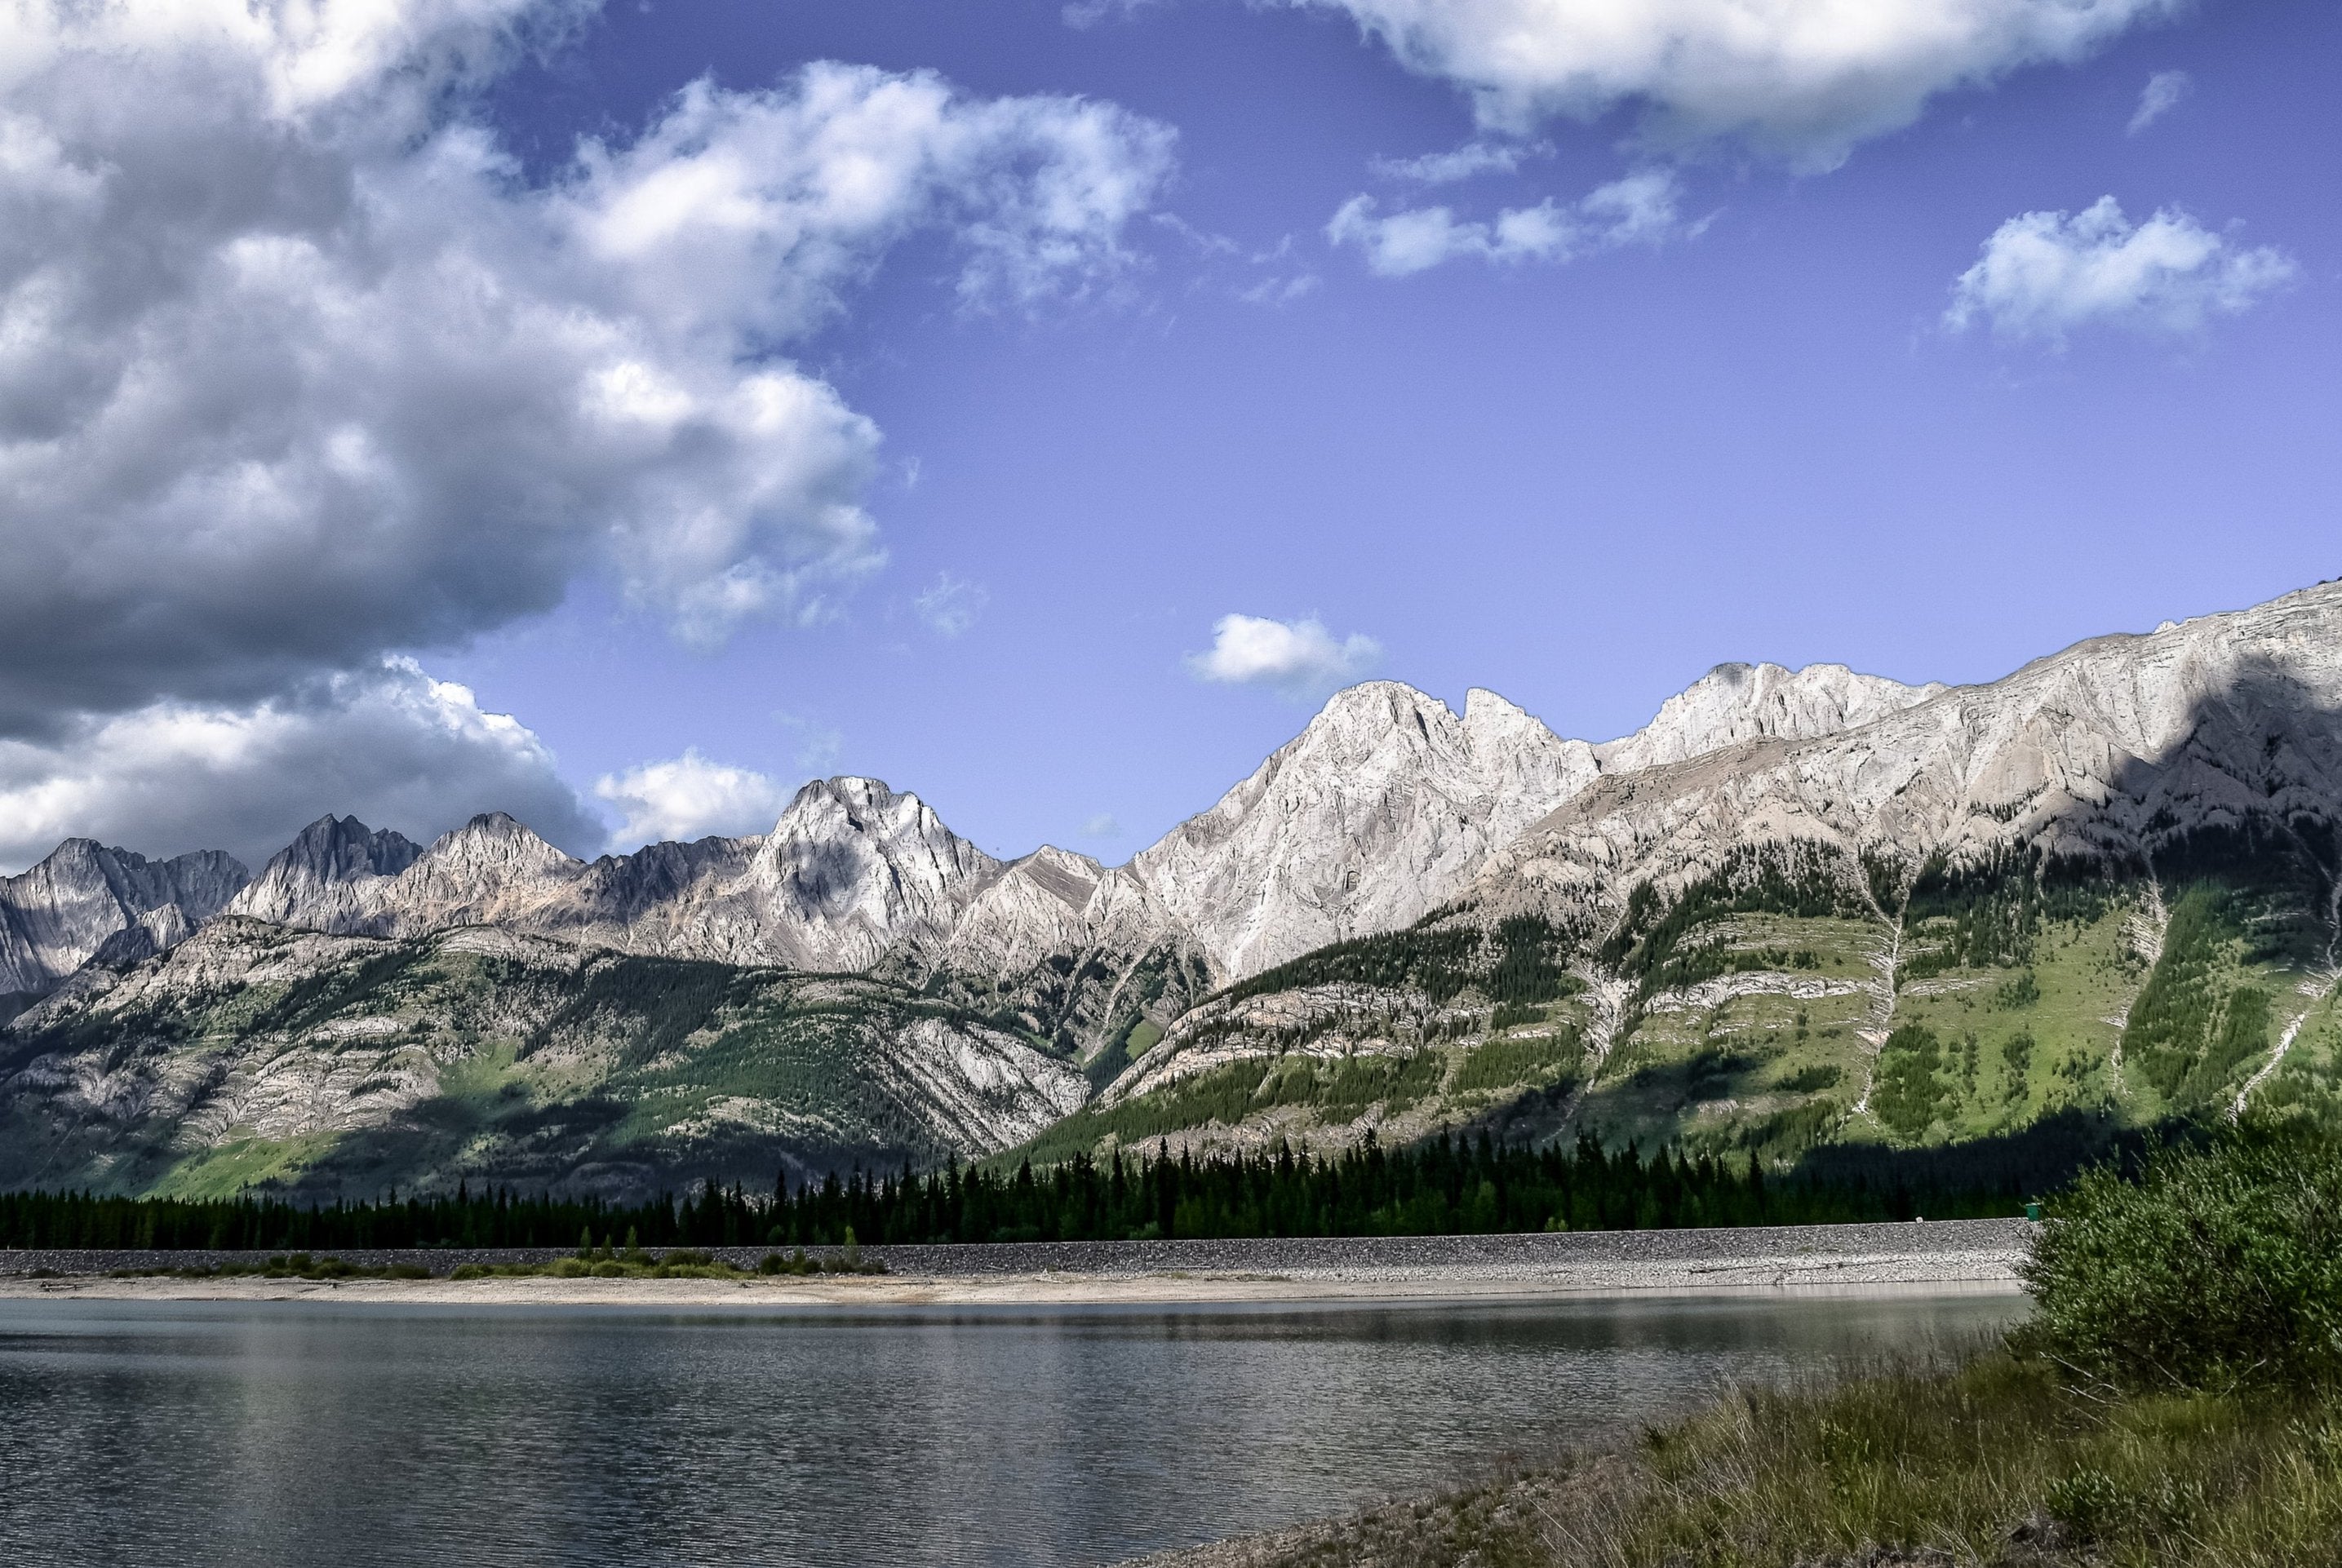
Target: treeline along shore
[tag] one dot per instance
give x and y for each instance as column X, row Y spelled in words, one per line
column 1443, row 1187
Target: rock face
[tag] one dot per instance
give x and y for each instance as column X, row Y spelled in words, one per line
column 852, row 872
column 2123, row 750
column 1382, row 807
column 322, row 879
column 58, row 915
column 1736, row 703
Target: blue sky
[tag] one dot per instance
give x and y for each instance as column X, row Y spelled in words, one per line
column 1736, row 410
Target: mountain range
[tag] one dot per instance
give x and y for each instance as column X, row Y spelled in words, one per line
column 1798, row 909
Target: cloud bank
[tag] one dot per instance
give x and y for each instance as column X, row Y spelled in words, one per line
column 1296, row 659
column 299, row 370
column 1802, row 80
column 1640, row 209
column 690, row 798
column 388, row 744
column 2044, row 274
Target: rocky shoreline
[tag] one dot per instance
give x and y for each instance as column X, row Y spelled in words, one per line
column 1954, row 1254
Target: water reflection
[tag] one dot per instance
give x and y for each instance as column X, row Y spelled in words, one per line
column 315, row 1434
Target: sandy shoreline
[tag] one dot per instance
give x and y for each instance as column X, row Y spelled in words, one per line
column 1957, row 1257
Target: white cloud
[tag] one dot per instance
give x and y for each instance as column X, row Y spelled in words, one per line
column 2044, row 274
column 818, row 744
column 1640, row 209
column 1804, row 80
column 1278, row 292
column 1102, row 825
column 297, row 367
column 2162, row 95
column 1464, row 163
column 1084, row 15
column 689, row 797
column 1300, row 659
column 388, row 744
column 950, row 607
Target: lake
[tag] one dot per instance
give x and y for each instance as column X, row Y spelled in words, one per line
column 304, row 1434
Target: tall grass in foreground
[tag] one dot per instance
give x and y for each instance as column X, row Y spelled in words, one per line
column 2176, row 1400
column 1996, row 1461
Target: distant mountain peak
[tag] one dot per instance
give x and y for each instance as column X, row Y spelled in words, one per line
column 59, row 914
column 320, row 866
column 1736, row 703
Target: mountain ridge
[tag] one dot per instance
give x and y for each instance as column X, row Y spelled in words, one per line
column 1406, row 917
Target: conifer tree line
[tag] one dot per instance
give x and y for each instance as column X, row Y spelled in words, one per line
column 1440, row 1187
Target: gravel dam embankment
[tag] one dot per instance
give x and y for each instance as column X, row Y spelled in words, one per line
column 1953, row 1253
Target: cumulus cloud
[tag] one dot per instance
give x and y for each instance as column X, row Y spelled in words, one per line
column 1298, row 659
column 296, row 366
column 2044, row 274
column 1466, row 161
column 1640, row 209
column 1804, row 80
column 689, row 797
column 387, row 744
column 949, row 605
column 1102, row 826
column 2162, row 93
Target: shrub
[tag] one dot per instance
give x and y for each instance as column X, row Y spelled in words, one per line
column 2220, row 1267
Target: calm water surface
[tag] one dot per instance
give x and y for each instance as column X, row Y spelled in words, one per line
column 313, row 1434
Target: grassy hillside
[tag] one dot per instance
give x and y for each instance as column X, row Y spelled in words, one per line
column 341, row 1065
column 1795, row 999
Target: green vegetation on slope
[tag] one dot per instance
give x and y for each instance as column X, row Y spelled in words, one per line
column 2198, row 1019
column 1989, row 914
column 1660, row 944
column 1799, row 997
column 424, row 1063
column 1520, row 962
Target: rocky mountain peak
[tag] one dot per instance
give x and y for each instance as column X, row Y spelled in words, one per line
column 1072, row 878
column 1736, row 703
column 319, row 866
column 55, row 916
column 1490, row 720
column 853, row 868
column 2121, row 750
column 1382, row 806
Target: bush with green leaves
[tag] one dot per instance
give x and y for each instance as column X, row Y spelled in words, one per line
column 2218, row 1267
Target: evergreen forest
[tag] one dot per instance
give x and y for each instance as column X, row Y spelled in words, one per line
column 1443, row 1186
